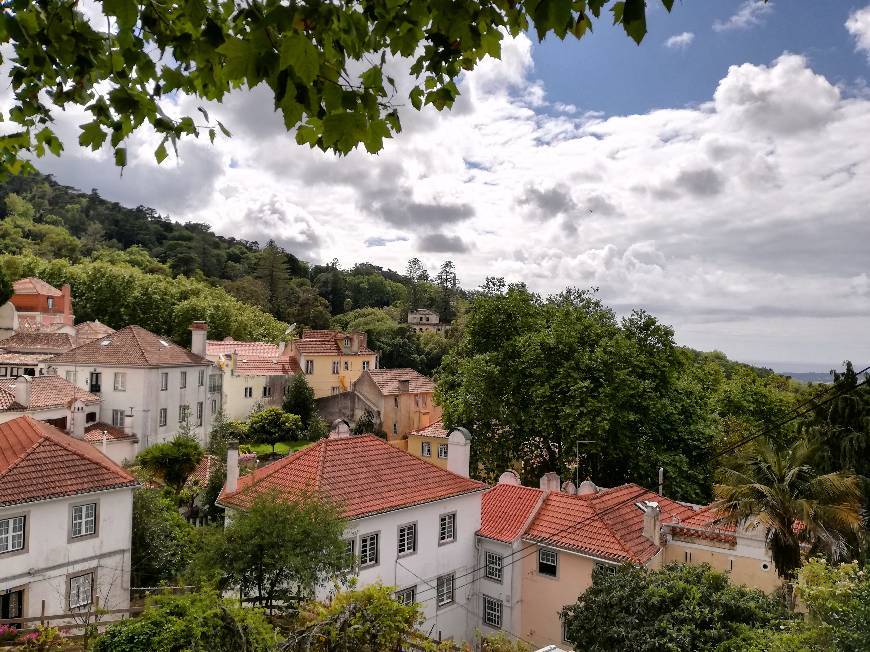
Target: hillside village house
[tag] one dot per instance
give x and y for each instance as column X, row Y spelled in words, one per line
column 25, row 352
column 424, row 320
column 430, row 443
column 148, row 385
column 65, row 523
column 539, row 546
column 401, row 400
column 410, row 524
column 41, row 305
column 332, row 360
column 253, row 374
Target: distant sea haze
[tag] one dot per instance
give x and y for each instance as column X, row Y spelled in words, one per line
column 808, row 372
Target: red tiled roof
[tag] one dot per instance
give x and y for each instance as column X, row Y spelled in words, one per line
column 38, row 461
column 324, row 342
column 704, row 524
column 94, row 432
column 46, row 392
column 609, row 525
column 434, row 429
column 387, row 380
column 252, row 349
column 267, row 366
column 33, row 285
column 505, row 509
column 37, row 342
column 28, row 359
column 131, row 346
column 202, row 472
column 365, row 475
column 89, row 331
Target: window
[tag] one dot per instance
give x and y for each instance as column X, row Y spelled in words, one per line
column 11, row 534
column 164, row 381
column 346, row 342
column 84, row 520
column 214, row 383
column 199, row 413
column 334, row 391
column 14, row 372
column 214, row 406
column 365, row 365
column 349, row 550
column 395, row 428
column 96, row 381
column 335, row 365
column 162, row 416
column 444, row 587
column 447, row 528
column 267, row 391
column 442, row 451
column 426, row 449
column 346, row 365
column 492, row 611
column 80, row 590
column 91, row 417
column 69, row 375
column 118, row 418
column 493, row 566
column 309, row 366
column 201, row 378
column 249, row 392
column 407, row 596
column 3, row 372
column 606, row 568
column 368, row 549
column 547, row 562
column 183, row 413
column 183, row 382
column 407, row 539
column 120, row 381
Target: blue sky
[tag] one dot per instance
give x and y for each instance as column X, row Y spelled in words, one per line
column 607, row 72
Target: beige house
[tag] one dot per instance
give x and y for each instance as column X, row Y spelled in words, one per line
column 430, row 443
column 332, row 360
column 402, row 400
column 539, row 546
column 424, row 320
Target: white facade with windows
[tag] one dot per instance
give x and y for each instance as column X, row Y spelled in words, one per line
column 66, row 553
column 498, row 587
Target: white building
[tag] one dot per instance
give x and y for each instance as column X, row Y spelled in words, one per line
column 424, row 320
column 254, row 374
column 411, row 524
column 147, row 381
column 65, row 524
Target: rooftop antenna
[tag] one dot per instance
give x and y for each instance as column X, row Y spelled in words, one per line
column 661, row 480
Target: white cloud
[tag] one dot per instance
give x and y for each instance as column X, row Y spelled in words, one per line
column 741, row 221
column 749, row 14
column 858, row 25
column 680, row 41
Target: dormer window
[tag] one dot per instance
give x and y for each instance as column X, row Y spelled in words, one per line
column 50, row 303
column 346, row 342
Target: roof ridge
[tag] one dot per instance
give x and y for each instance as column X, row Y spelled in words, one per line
column 106, row 463
column 412, row 456
column 21, row 457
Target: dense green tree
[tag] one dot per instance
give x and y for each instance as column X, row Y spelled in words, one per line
column 278, row 548
column 299, row 399
column 306, row 307
column 160, row 540
column 531, row 377
column 777, row 487
column 305, row 54
column 680, row 607
column 272, row 273
column 274, row 425
column 448, row 287
column 196, row 621
column 172, row 461
column 331, row 285
column 5, row 288
column 417, row 274
column 249, row 290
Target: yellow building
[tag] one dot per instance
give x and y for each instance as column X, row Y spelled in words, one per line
column 332, row 360
column 401, row 400
column 430, row 443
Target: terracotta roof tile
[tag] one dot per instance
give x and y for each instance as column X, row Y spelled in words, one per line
column 30, row 359
column 203, row 470
column 434, row 429
column 387, row 380
column 505, row 510
column 33, row 285
column 89, row 331
column 131, row 346
column 326, row 342
column 37, row 342
column 365, row 475
column 48, row 392
column 267, row 366
column 253, row 349
column 94, row 432
column 38, row 461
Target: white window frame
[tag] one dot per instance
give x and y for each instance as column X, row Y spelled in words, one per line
column 267, row 391
column 446, row 528
column 199, row 412
column 69, row 375
column 163, row 417
column 442, row 451
column 365, row 365
column 249, row 392
column 214, row 406
column 164, row 381
column 366, row 558
column 120, row 381
column 182, row 383
column 426, row 449
column 407, row 596
column 84, row 517
column 445, row 589
column 183, row 413
column 494, row 563
column 493, row 612
column 13, row 533
column 309, row 367
column 336, row 366
column 81, row 592
column 406, row 539
column 201, row 377
column 118, row 418
column 544, row 557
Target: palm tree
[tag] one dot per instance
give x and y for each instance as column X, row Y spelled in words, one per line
column 778, row 488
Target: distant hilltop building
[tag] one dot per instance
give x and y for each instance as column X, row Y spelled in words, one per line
column 424, row 320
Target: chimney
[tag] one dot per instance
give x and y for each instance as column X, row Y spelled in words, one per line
column 652, row 521
column 198, row 337
column 232, row 466
column 569, row 488
column 340, row 429
column 509, row 477
column 66, row 299
column 76, row 420
column 459, row 451
column 550, row 481
column 23, row 386
column 404, row 386
column 281, row 346
column 128, row 423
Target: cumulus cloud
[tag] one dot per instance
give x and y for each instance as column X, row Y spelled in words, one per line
column 749, row 14
column 441, row 243
column 546, row 203
column 858, row 25
column 680, row 41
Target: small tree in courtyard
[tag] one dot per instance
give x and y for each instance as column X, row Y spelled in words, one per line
column 274, row 425
column 173, row 461
column 299, row 399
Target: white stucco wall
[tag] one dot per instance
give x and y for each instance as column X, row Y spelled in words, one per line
column 50, row 556
column 237, row 407
column 509, row 590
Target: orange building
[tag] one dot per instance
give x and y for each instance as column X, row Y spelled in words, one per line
column 41, row 304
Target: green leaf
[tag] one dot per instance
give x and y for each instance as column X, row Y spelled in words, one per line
column 634, row 19
column 300, row 54
column 373, row 78
column 160, row 153
column 92, row 135
column 224, row 130
column 121, row 157
column 126, row 11
column 416, row 97
column 669, row 4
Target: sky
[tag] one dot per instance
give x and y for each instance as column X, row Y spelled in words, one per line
column 717, row 175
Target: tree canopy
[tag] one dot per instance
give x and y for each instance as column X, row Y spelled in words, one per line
column 172, row 461
column 160, row 541
column 274, row 425
column 337, row 72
